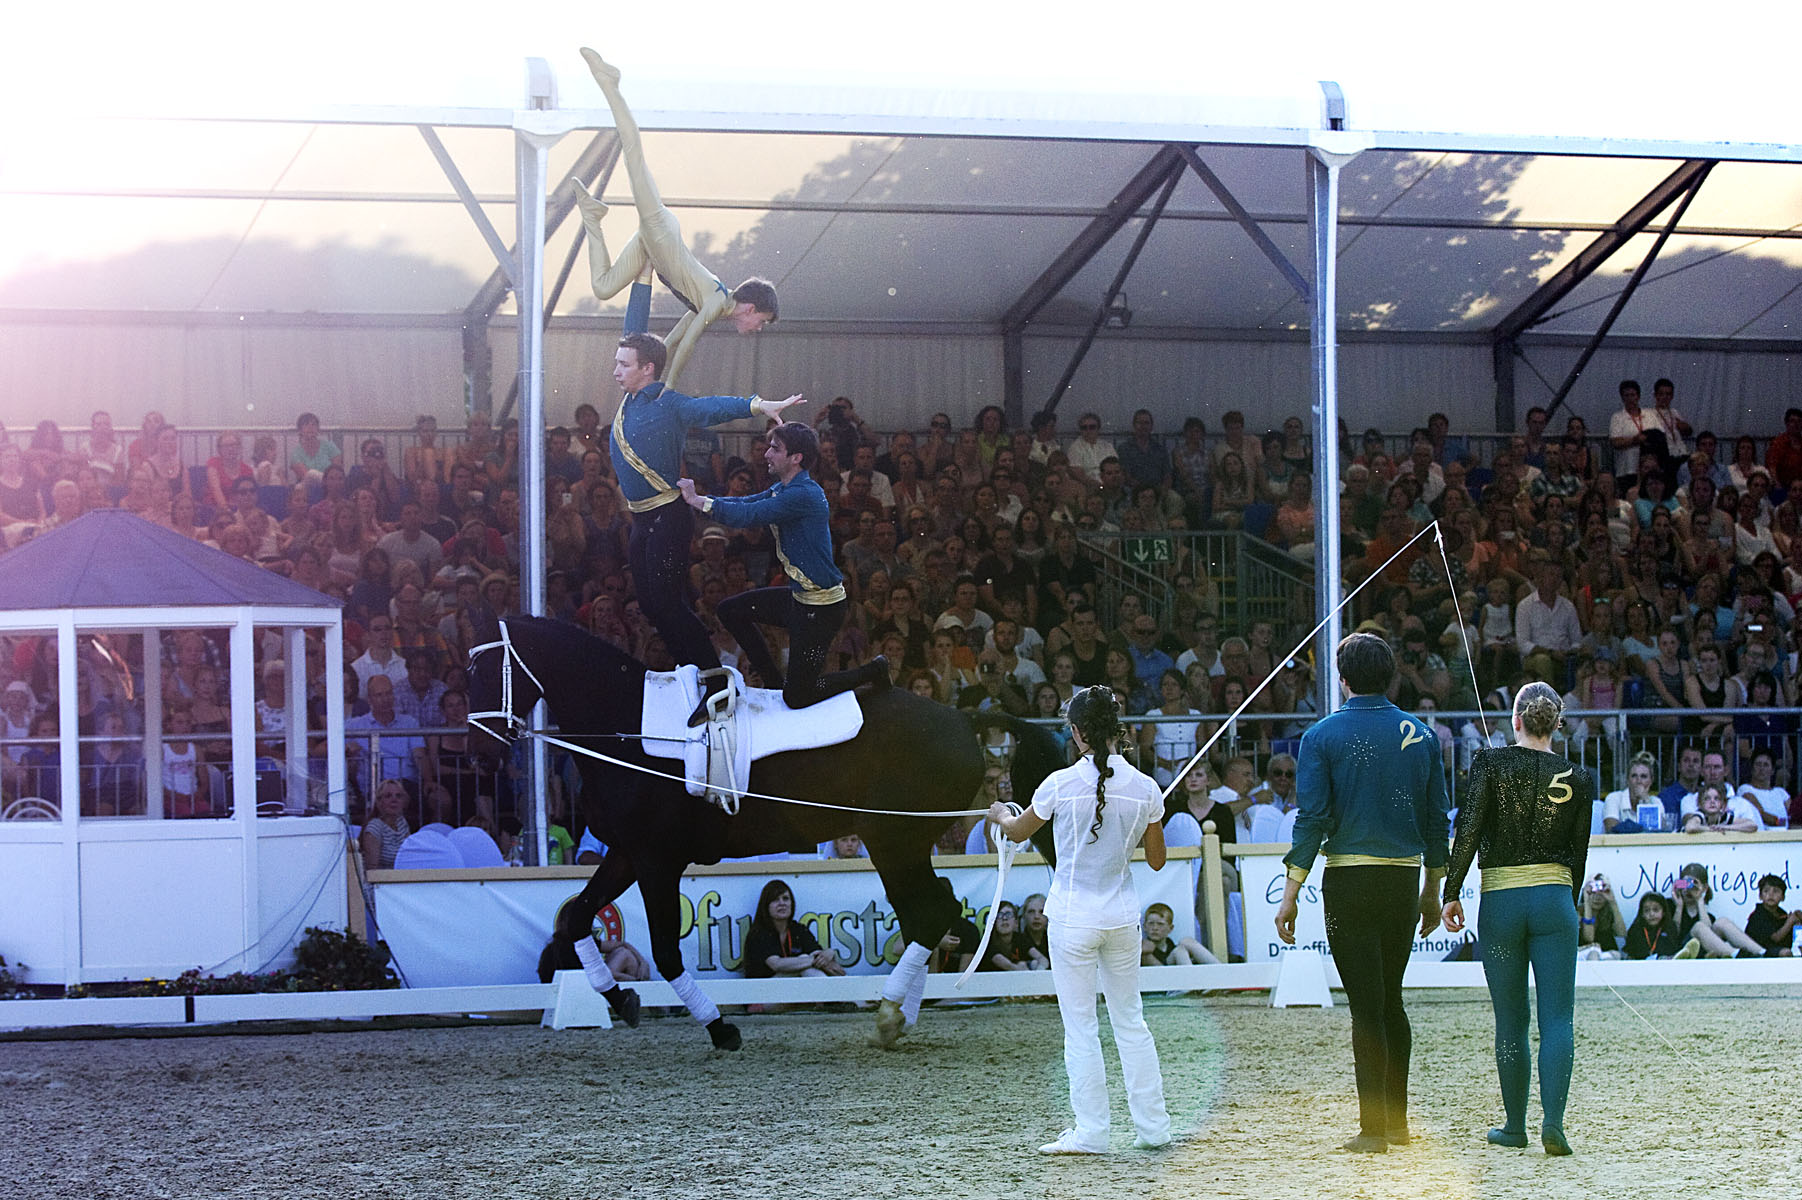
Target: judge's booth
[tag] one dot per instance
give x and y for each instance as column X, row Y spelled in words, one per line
column 172, row 803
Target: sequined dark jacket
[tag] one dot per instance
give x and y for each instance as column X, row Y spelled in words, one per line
column 1523, row 807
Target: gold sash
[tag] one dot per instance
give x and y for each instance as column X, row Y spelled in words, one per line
column 810, row 593
column 665, row 493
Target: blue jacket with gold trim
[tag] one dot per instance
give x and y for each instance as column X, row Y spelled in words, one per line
column 1370, row 781
column 800, row 520
column 649, row 428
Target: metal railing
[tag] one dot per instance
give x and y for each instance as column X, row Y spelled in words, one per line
column 1247, row 579
column 32, row 769
column 197, row 442
column 1603, row 741
column 1273, row 586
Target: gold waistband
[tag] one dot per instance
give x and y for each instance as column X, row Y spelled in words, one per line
column 658, row 501
column 1369, row 860
column 817, row 596
column 1300, row 875
column 1501, row 879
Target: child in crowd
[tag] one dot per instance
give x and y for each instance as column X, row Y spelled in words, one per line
column 1769, row 925
column 1602, row 933
column 1158, row 948
column 1652, row 934
column 1703, row 933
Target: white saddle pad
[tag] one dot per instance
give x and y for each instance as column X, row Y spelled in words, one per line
column 765, row 725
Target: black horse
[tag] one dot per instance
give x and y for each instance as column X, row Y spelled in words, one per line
column 911, row 756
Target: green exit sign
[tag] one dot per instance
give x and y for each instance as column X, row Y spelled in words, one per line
column 1142, row 550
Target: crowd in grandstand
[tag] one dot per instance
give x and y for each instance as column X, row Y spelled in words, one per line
column 1656, row 568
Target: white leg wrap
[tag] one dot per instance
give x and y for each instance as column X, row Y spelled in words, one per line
column 699, row 1006
column 916, row 992
column 908, row 978
column 594, row 965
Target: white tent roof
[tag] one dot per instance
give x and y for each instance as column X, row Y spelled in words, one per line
column 892, row 196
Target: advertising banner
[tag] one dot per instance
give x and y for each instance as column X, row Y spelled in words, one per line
column 463, row 932
column 1632, row 870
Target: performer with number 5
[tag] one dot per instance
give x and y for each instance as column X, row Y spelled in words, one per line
column 1526, row 813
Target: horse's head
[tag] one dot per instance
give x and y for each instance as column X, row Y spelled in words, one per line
column 503, row 687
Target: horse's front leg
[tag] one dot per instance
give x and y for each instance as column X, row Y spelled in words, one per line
column 658, row 887
column 926, row 910
column 575, row 924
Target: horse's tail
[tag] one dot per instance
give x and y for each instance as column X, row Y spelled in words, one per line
column 1037, row 753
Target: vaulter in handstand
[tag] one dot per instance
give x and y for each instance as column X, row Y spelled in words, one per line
column 658, row 246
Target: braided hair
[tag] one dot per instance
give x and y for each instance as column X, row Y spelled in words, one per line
column 1095, row 713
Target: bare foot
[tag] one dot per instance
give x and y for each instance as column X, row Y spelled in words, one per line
column 605, row 73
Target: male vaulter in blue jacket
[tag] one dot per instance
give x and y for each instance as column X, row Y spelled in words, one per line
column 647, row 457
column 1371, row 787
column 813, row 604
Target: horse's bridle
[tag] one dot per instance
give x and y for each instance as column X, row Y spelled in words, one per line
column 516, row 724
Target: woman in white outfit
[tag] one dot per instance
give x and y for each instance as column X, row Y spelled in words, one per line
column 1103, row 808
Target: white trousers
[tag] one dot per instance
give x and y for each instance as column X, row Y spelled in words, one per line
column 1078, row 957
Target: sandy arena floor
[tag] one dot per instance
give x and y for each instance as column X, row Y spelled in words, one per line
column 808, row 1109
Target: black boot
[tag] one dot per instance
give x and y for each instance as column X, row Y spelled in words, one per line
column 715, row 685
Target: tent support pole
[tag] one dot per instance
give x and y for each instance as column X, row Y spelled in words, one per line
column 1013, row 378
column 1501, row 357
column 1088, row 243
column 1620, row 301
column 550, row 307
column 1323, row 220
column 502, row 254
column 532, row 156
column 1247, row 222
column 593, row 166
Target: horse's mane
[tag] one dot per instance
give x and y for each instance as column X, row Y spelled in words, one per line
column 571, row 639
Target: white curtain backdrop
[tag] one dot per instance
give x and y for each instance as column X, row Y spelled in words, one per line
column 380, row 375
column 1728, row 393
column 211, row 375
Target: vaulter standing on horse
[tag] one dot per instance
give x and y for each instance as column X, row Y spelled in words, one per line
column 647, row 454
column 812, row 606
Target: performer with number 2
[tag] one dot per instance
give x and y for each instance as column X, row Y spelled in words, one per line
column 1372, row 788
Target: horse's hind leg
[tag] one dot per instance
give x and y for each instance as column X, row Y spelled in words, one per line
column 663, row 911
column 575, row 920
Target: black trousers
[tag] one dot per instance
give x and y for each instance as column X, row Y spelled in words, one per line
column 811, row 630
column 658, row 553
column 1370, row 922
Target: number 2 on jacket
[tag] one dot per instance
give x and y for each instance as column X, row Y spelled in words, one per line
column 1411, row 733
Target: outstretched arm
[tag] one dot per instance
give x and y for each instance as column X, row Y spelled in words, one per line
column 681, row 343
column 1017, row 825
